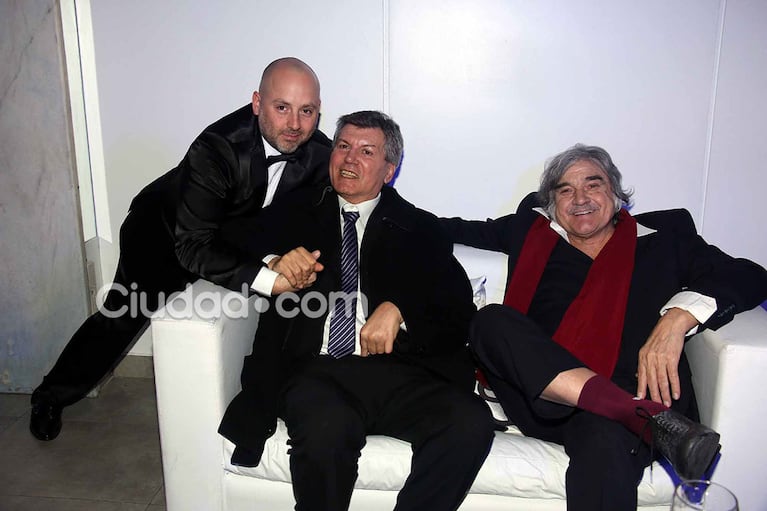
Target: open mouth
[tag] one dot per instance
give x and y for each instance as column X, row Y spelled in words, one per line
column 348, row 174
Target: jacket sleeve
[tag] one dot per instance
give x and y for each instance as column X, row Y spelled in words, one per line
column 491, row 234
column 435, row 299
column 208, row 179
column 737, row 284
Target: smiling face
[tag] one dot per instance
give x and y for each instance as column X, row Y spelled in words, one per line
column 358, row 166
column 287, row 106
column 585, row 204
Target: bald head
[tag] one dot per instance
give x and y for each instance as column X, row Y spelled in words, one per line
column 289, row 65
column 287, row 104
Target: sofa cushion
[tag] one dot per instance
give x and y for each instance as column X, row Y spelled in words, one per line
column 516, row 466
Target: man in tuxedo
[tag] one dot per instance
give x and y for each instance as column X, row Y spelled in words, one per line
column 170, row 236
column 597, row 309
column 371, row 338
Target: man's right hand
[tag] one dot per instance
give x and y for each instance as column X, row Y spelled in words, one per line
column 298, row 270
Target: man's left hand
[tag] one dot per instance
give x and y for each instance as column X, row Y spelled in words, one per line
column 380, row 330
column 658, row 368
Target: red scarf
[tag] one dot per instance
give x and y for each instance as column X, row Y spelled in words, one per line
column 592, row 326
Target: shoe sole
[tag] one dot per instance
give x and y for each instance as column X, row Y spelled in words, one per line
column 702, row 455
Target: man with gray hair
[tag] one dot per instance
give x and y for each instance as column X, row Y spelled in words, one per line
column 374, row 342
column 587, row 348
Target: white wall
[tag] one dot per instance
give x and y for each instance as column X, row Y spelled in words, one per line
column 485, row 92
column 42, row 276
column 734, row 203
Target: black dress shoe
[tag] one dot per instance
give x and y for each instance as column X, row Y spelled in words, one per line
column 45, row 420
column 242, row 457
column 688, row 445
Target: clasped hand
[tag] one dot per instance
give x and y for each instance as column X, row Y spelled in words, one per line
column 297, row 270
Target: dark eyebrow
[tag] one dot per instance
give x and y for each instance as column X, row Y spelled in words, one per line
column 595, row 177
column 280, row 101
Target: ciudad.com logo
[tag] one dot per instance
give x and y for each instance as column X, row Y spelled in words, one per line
column 215, row 304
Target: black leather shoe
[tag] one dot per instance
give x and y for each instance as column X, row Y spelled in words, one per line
column 242, row 457
column 45, row 420
column 689, row 446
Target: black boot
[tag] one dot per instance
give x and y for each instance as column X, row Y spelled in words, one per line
column 688, row 445
column 45, row 420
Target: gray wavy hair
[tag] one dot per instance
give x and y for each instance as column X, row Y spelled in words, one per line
column 558, row 165
column 393, row 142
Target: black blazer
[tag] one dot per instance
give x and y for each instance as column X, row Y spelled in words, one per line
column 672, row 259
column 405, row 258
column 216, row 180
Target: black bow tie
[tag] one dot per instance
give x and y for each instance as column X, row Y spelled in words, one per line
column 271, row 160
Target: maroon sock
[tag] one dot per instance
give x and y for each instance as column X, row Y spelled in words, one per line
column 602, row 397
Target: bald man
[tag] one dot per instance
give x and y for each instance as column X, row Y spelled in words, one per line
column 236, row 166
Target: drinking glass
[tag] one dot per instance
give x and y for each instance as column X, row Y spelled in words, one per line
column 703, row 496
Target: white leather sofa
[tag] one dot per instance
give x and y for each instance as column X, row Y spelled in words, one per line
column 198, row 354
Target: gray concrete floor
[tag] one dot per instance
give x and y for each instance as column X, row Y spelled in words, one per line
column 107, row 457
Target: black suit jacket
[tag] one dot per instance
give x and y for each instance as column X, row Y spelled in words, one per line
column 405, row 258
column 220, row 177
column 670, row 260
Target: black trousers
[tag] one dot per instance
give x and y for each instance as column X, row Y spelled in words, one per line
column 147, row 273
column 331, row 405
column 519, row 361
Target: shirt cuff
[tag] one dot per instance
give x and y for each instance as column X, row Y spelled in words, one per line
column 702, row 307
column 264, row 281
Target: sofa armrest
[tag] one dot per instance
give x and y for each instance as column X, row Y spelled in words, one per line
column 729, row 367
column 200, row 339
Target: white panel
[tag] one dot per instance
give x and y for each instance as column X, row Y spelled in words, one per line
column 487, row 90
column 734, row 216
column 70, row 39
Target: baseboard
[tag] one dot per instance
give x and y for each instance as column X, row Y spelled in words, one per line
column 135, row 366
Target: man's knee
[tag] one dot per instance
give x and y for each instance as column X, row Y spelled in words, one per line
column 483, row 330
column 468, row 422
column 319, row 423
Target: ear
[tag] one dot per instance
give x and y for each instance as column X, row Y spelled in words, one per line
column 256, row 102
column 390, row 169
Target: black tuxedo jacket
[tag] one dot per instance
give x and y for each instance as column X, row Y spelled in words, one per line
column 222, row 176
column 671, row 259
column 405, row 258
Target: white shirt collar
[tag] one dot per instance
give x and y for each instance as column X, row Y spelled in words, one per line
column 364, row 208
column 269, row 150
column 641, row 229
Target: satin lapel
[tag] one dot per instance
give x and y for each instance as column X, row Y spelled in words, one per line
column 293, row 176
column 256, row 164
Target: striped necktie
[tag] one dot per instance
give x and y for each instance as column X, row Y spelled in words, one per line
column 343, row 319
